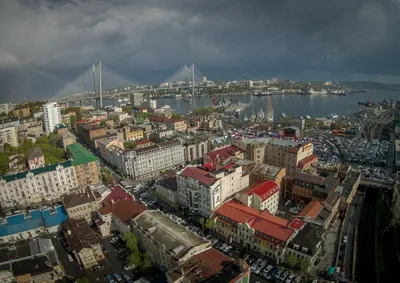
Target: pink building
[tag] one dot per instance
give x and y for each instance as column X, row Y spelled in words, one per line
column 35, row 158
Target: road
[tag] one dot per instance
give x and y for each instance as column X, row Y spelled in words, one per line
column 366, row 240
column 349, row 230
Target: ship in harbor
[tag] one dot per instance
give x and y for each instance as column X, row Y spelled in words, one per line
column 231, row 105
column 269, row 117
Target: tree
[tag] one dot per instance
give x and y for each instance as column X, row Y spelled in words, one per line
column 135, row 259
column 209, row 224
column 292, row 260
column 129, row 145
column 72, row 120
column 7, row 147
column 106, row 176
column 304, row 264
column 131, row 241
column 4, row 163
column 146, row 261
column 103, row 123
column 202, row 222
column 83, row 280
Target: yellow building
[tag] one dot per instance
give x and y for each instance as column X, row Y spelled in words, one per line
column 86, row 165
column 133, row 133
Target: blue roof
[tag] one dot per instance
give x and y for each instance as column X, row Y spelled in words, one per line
column 34, row 219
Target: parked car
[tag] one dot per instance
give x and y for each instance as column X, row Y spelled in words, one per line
column 70, row 258
column 117, row 277
column 128, row 267
column 109, row 279
column 127, row 278
column 290, row 278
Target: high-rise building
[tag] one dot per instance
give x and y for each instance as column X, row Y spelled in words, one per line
column 51, row 116
column 137, row 99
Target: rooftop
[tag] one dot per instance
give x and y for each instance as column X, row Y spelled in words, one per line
column 73, row 200
column 32, row 266
column 80, row 154
column 204, row 266
column 263, row 189
column 117, row 194
column 37, row 171
column 81, row 235
column 31, row 220
column 309, row 237
column 256, row 168
column 311, row 210
column 34, row 153
column 200, row 175
column 157, row 147
column 296, row 224
column 169, row 183
column 224, row 152
column 261, row 221
column 308, row 178
column 309, row 159
column 127, row 209
column 169, row 235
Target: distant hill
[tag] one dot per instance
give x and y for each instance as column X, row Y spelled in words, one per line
column 373, row 85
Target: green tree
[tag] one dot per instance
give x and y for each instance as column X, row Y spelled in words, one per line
column 7, row 147
column 83, row 280
column 106, row 176
column 176, row 116
column 103, row 123
column 304, row 264
column 146, row 261
column 131, row 241
column 4, row 163
column 135, row 259
column 209, row 224
column 292, row 260
column 202, row 222
column 72, row 120
column 129, row 145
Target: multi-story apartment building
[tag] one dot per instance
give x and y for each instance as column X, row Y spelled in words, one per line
column 256, row 230
column 117, row 116
column 28, row 122
column 224, row 155
column 177, row 125
column 83, row 242
column 307, row 187
column 51, row 116
column 66, row 120
column 4, row 108
column 282, row 153
column 167, row 243
column 263, row 195
column 194, row 148
column 201, row 191
column 66, row 139
column 86, row 165
column 137, row 99
column 89, row 132
column 35, row 158
column 133, row 133
column 42, row 184
column 21, row 111
column 259, row 172
column 8, row 136
column 149, row 161
column 35, row 130
column 82, row 205
column 9, row 122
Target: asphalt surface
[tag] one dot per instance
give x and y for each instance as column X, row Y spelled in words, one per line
column 112, row 263
column 349, row 230
column 366, row 246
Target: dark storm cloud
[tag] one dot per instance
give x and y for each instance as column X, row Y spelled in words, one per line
column 53, row 40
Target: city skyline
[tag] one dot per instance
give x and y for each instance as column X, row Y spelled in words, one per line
column 45, row 44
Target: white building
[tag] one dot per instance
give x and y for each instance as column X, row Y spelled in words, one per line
column 8, row 136
column 201, row 191
column 117, row 116
column 42, row 184
column 150, row 161
column 51, row 116
column 4, row 108
column 263, row 195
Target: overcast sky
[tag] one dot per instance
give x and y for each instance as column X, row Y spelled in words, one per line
column 45, row 43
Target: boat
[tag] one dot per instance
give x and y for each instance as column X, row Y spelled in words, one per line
column 308, row 117
column 245, row 118
column 252, row 117
column 333, row 116
column 260, row 116
column 120, row 100
column 269, row 117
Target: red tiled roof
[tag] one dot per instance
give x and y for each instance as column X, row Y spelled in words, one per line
column 214, row 260
column 293, row 150
column 127, row 209
column 224, row 153
column 263, row 222
column 143, row 142
column 309, row 159
column 264, row 189
column 311, row 210
column 117, row 194
column 296, row 224
column 274, row 230
column 200, row 175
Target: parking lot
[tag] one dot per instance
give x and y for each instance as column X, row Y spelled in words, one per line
column 110, row 265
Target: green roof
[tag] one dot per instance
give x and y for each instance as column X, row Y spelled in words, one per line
column 80, row 155
column 37, row 171
column 61, row 126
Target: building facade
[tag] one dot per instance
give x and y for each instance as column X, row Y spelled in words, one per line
column 43, row 184
column 8, row 136
column 82, row 205
column 201, row 191
column 35, row 158
column 89, row 132
column 167, row 243
column 150, row 161
column 137, row 99
column 259, row 172
column 66, row 139
column 194, row 149
column 133, row 133
column 21, row 111
column 51, row 116
column 86, row 165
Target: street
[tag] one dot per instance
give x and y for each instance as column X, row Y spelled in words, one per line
column 349, row 230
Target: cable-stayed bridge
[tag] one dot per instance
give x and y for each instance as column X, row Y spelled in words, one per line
column 89, row 82
column 87, row 85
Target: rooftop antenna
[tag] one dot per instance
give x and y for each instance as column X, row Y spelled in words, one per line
column 94, row 80
column 100, row 88
column 193, row 80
